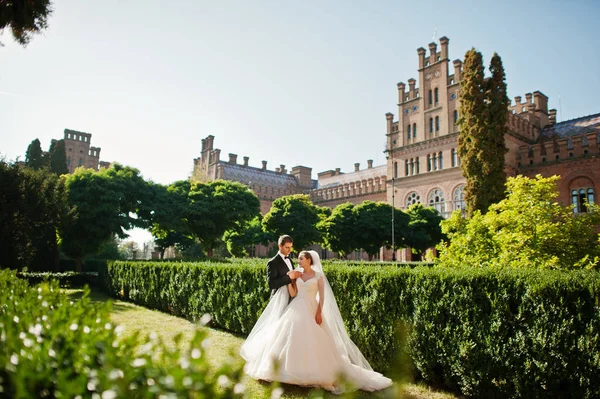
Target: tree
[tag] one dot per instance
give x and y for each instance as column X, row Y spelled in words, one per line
column 24, row 18
column 481, row 145
column 108, row 203
column 373, row 226
column 218, row 206
column 494, row 145
column 296, row 216
column 169, row 226
column 424, row 229
column 34, row 157
column 33, row 204
column 58, row 157
column 339, row 230
column 238, row 240
column 528, row 229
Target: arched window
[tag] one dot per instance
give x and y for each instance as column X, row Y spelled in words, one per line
column 436, row 200
column 430, row 125
column 459, row 197
column 440, row 160
column 455, row 117
column 412, row 166
column 580, row 198
column 69, row 158
column 454, row 156
column 434, row 161
column 414, row 130
column 436, row 97
column 437, row 123
column 418, row 166
column 413, row 198
column 430, row 97
column 396, row 170
column 408, row 131
column 406, row 167
column 428, row 163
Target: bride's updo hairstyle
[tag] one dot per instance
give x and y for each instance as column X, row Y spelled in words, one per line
column 307, row 255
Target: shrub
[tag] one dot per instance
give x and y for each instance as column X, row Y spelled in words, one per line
column 52, row 347
column 484, row 332
column 528, row 229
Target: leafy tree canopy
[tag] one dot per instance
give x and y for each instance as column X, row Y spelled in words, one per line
column 528, row 229
column 219, row 206
column 24, row 18
column 108, row 202
column 296, row 216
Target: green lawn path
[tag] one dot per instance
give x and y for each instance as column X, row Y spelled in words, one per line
column 136, row 318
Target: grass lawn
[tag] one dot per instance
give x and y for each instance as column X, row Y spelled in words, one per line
column 223, row 344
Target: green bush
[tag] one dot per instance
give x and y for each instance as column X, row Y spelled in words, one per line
column 53, row 347
column 505, row 333
column 64, row 280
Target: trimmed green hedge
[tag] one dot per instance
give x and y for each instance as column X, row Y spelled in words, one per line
column 64, row 280
column 509, row 333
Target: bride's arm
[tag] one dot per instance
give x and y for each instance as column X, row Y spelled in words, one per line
column 318, row 316
column 292, row 289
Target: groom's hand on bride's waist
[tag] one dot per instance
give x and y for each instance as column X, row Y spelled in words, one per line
column 294, row 274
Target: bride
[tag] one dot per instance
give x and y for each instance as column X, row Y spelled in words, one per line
column 305, row 342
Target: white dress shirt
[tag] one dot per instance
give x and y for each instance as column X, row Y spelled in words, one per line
column 287, row 261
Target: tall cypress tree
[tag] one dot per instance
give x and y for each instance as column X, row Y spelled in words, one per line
column 58, row 157
column 472, row 129
column 34, row 157
column 481, row 146
column 494, row 149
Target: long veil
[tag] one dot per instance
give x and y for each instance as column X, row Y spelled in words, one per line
column 333, row 322
column 270, row 315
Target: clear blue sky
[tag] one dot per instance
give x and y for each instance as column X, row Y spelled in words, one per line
column 291, row 82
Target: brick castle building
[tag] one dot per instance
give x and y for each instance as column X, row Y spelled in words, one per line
column 79, row 151
column 421, row 145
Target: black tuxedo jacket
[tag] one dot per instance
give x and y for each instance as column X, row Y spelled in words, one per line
column 277, row 273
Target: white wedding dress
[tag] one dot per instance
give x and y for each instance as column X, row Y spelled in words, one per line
column 292, row 348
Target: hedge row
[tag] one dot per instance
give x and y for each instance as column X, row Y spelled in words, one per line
column 509, row 333
column 64, row 280
column 52, row 347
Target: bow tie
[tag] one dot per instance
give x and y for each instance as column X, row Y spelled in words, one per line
column 286, row 257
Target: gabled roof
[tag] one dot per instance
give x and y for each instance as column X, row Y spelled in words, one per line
column 344, row 178
column 251, row 175
column 573, row 127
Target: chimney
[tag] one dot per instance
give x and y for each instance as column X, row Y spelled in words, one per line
column 552, row 118
column 337, row 171
column 356, row 167
column 264, row 163
column 518, row 100
column 401, row 92
column 390, row 121
column 411, row 87
column 528, row 97
column 421, row 52
column 457, row 71
column 282, row 169
column 232, row 158
column 432, row 53
column 246, row 159
column 444, row 42
column 369, row 163
column 216, row 155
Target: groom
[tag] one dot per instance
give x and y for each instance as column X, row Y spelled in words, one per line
column 280, row 269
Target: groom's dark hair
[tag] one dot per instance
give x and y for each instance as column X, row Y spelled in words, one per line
column 284, row 239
